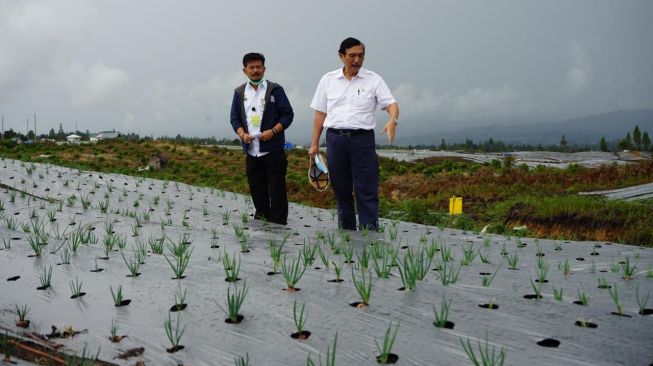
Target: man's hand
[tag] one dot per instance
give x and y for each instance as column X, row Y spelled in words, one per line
column 390, row 128
column 266, row 135
column 313, row 150
column 247, row 138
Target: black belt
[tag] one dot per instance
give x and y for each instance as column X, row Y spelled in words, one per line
column 348, row 132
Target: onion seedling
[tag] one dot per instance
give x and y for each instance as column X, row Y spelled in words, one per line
column 641, row 302
column 363, row 286
column 388, row 342
column 180, row 298
column 330, row 355
column 133, row 264
column 381, row 264
column 323, row 257
column 64, row 255
column 421, row 265
column 117, row 296
column 6, row 242
column 308, row 252
column 486, row 280
column 603, row 283
column 442, row 315
column 344, row 236
column 448, row 275
column 566, row 268
column 275, row 254
column 242, row 361
column 113, row 330
column 446, row 253
column 174, row 334
column 46, row 278
column 231, row 267
column 512, row 261
column 76, row 288
column 469, row 254
column 156, row 245
column 393, row 230
column 557, row 294
column 363, row 259
column 542, row 272
column 181, row 259
column 614, row 293
column 347, row 251
column 488, row 357
column 485, row 259
column 300, row 320
column 504, row 250
column 292, row 272
column 431, row 249
column 337, row 267
column 407, row 274
column 22, row 311
column 330, row 240
column 583, row 298
column 614, row 267
column 234, row 302
column 537, row 289
column 629, row 270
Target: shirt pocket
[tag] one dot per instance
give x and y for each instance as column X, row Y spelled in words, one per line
column 363, row 100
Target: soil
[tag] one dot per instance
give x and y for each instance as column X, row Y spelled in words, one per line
column 303, row 335
column 174, row 349
column 239, row 319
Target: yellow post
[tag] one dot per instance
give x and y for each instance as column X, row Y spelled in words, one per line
column 455, row 205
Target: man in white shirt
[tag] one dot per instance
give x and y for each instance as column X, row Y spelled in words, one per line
column 344, row 103
column 260, row 113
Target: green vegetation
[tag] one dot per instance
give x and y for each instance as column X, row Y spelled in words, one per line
column 499, row 193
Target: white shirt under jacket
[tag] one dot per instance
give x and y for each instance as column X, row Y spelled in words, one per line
column 350, row 104
column 254, row 105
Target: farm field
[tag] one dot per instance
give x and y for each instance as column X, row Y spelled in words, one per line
column 177, row 251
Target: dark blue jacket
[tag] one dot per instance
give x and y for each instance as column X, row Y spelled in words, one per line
column 277, row 109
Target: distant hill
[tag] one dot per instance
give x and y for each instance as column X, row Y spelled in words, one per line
column 583, row 130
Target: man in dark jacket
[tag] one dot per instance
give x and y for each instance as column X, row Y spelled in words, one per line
column 260, row 113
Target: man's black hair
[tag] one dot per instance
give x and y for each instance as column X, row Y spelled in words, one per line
column 253, row 56
column 349, row 43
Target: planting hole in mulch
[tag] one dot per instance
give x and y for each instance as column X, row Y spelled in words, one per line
column 646, row 312
column 521, row 246
column 22, row 323
column 336, row 280
column 358, row 305
column 604, row 271
column 447, row 325
column 15, row 238
column 604, row 286
column 78, row 296
column 97, row 270
column 175, row 278
column 549, row 343
column 41, row 288
column 292, row 289
column 178, row 307
column 239, row 319
column 577, row 302
column 580, row 259
column 489, row 306
column 533, row 297
column 392, row 358
column 404, row 247
column 135, row 275
column 594, row 253
column 215, row 246
column 540, row 255
column 598, row 246
column 586, row 324
column 13, row 278
column 303, row 335
column 544, row 281
column 621, row 314
column 124, row 303
column 485, row 273
column 174, row 349
column 232, row 280
column 271, row 273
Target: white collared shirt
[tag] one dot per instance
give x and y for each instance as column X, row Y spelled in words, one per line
column 350, row 104
column 254, row 104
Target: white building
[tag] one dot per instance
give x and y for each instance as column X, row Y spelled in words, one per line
column 73, row 139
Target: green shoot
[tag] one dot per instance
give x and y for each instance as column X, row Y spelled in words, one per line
column 641, row 302
column 557, row 294
column 234, row 302
column 292, row 272
column 486, row 280
column 629, row 270
column 117, row 296
column 388, row 342
column 363, row 286
column 231, row 266
column 46, row 278
column 300, row 320
column 488, row 357
column 242, row 361
column 75, row 288
column 174, row 334
column 614, row 293
column 512, row 261
column 583, row 298
column 22, row 311
column 330, row 355
column 448, row 275
column 442, row 315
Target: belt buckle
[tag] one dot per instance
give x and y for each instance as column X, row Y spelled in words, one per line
column 345, row 133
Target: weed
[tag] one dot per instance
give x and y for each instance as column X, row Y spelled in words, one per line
column 388, row 342
column 363, row 286
column 488, row 357
column 442, row 315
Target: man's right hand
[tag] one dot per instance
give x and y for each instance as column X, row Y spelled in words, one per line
column 313, row 150
column 247, row 138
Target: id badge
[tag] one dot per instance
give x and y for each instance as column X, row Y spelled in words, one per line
column 256, row 120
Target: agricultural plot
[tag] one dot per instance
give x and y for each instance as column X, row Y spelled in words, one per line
column 134, row 269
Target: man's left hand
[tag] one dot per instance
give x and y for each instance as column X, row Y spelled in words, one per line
column 266, row 135
column 390, row 128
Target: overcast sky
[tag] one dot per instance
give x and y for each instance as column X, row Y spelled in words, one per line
column 169, row 67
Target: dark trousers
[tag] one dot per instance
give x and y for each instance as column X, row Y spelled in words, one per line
column 354, row 170
column 266, row 176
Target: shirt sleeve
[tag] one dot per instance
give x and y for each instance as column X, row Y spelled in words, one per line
column 319, row 102
column 383, row 95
